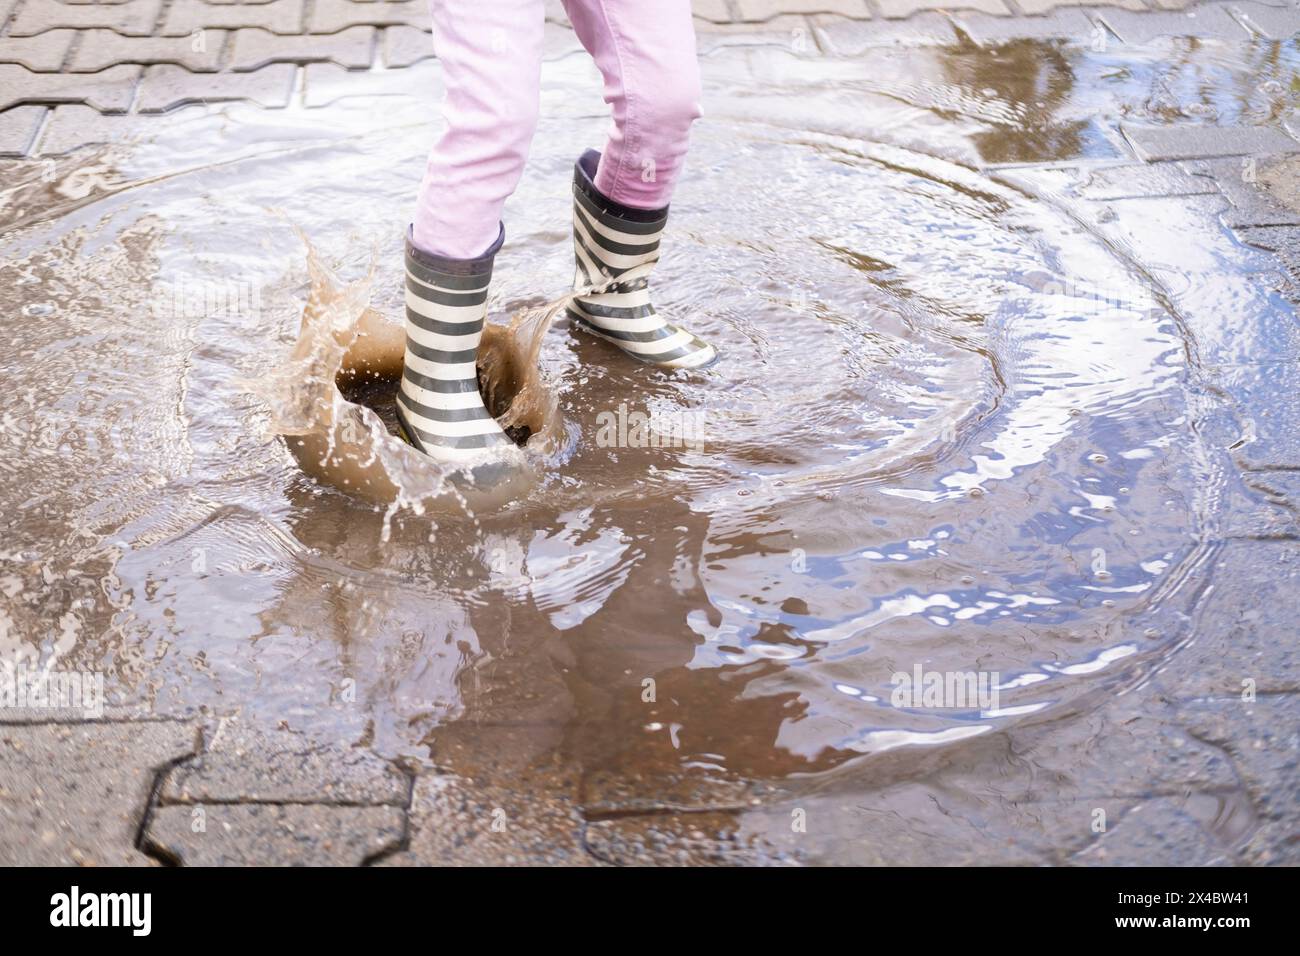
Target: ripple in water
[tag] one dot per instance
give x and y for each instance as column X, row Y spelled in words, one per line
column 949, row 431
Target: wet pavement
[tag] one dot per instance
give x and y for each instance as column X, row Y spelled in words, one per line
column 1007, row 310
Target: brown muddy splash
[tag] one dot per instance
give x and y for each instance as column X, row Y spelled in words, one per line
column 332, row 401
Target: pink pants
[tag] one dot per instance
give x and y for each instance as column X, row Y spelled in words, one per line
column 491, row 54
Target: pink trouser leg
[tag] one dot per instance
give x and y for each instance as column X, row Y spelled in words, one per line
column 646, row 52
column 491, row 56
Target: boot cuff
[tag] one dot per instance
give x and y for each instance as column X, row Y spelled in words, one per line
column 584, row 181
column 478, row 266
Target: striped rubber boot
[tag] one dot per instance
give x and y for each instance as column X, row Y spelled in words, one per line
column 611, row 240
column 439, row 407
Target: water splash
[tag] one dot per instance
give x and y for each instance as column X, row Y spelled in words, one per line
column 328, row 400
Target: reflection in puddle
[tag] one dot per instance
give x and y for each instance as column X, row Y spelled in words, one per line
column 951, row 429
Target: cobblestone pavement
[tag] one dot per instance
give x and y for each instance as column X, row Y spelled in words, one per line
column 74, row 72
column 138, row 789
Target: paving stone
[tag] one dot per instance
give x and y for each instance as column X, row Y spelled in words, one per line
column 402, row 46
column 1040, row 782
column 107, row 91
column 919, row 821
column 254, row 48
column 74, row 794
column 1155, row 833
column 71, row 127
column 1132, row 750
column 1036, row 7
column 1153, row 143
column 605, row 793
column 1107, row 183
column 985, row 30
column 1143, row 27
column 715, row 11
column 1270, row 390
column 559, row 42
column 278, row 16
column 678, row 839
column 133, row 17
column 327, row 83
column 1266, row 391
column 1262, row 740
column 1291, row 121
column 41, row 53
column 1129, row 749
column 1260, row 194
column 1279, row 240
column 459, row 822
column 1265, row 192
column 757, row 10
column 250, row 765
column 328, row 16
column 1255, row 510
column 793, row 33
column 109, row 713
column 841, row 37
column 1280, row 485
column 166, row 87
column 18, row 128
column 100, row 49
column 1244, row 627
column 895, row 9
column 555, row 13
column 1274, row 23
column 294, row 835
column 1276, row 509
column 1274, row 843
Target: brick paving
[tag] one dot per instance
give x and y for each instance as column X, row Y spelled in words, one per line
column 149, row 57
column 133, row 790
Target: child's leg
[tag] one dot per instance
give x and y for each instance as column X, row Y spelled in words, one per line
column 491, row 57
column 646, row 53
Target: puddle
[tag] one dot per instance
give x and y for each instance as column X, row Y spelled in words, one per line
column 952, row 429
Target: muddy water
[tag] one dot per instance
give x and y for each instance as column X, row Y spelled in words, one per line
column 952, row 428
